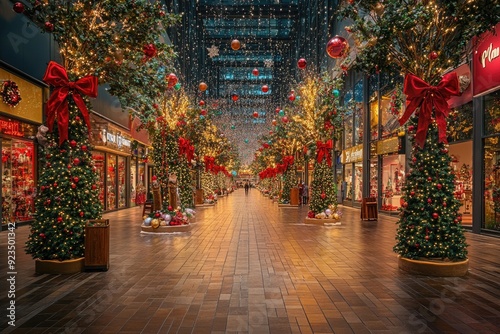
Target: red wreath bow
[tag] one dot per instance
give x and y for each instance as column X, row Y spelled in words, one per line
column 57, row 105
column 185, row 148
column 420, row 94
column 209, row 163
column 323, row 151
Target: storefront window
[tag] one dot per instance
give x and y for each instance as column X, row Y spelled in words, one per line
column 18, row 180
column 348, row 121
column 461, row 162
column 122, row 185
column 358, row 113
column 374, row 177
column 141, row 178
column 460, row 123
column 98, row 158
column 133, row 181
column 111, row 182
column 348, row 186
column 358, row 182
column 393, row 176
column 492, row 163
column 391, row 105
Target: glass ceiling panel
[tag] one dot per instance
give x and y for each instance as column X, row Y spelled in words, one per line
column 245, row 73
column 248, row 2
column 261, row 28
column 241, row 58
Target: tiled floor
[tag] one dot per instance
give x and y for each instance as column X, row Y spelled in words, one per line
column 248, row 266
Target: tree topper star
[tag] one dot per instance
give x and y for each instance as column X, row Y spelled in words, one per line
column 213, row 51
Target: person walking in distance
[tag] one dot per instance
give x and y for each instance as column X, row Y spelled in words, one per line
column 246, row 188
column 305, row 194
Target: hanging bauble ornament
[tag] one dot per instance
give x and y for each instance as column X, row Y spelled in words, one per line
column 49, row 26
column 149, row 51
column 301, row 63
column 337, row 47
column 72, row 143
column 255, row 114
column 246, row 140
column 235, row 97
column 291, row 97
column 255, row 72
column 18, row 7
column 204, row 112
column 274, row 122
column 172, row 80
column 84, row 147
column 336, row 92
column 323, row 195
column 177, row 86
column 201, row 103
column 265, row 88
column 284, row 119
column 233, row 127
column 281, row 113
column 76, row 161
column 433, row 55
column 435, row 215
column 235, row 44
column 277, row 110
column 202, row 86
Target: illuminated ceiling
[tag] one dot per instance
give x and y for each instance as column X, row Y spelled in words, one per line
column 273, row 35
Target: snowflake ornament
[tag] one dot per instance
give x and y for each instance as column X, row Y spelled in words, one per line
column 213, row 51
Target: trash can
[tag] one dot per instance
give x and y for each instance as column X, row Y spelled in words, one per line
column 97, row 245
column 294, row 196
column 369, row 209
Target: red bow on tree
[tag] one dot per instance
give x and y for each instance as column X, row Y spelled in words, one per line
column 287, row 161
column 185, row 148
column 420, row 94
column 323, row 151
column 209, row 163
column 57, row 105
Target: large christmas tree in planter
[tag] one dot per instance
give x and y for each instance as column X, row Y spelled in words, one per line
column 91, row 52
column 422, row 39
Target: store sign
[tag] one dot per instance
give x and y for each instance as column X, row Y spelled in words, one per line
column 464, row 77
column 11, row 128
column 353, row 154
column 487, row 63
column 122, row 142
column 390, row 145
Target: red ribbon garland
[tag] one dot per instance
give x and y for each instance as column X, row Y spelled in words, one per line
column 420, row 94
column 324, row 151
column 57, row 105
column 185, row 148
column 209, row 163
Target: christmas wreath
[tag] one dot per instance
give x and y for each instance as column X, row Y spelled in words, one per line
column 10, row 93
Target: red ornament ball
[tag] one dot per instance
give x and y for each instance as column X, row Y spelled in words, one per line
column 149, row 50
column 323, row 195
column 76, row 179
column 170, row 208
column 201, row 103
column 435, row 215
column 284, row 119
column 429, row 200
column 412, row 193
column 72, row 143
column 172, row 80
column 265, row 88
column 291, row 97
column 274, row 122
column 18, row 7
column 429, row 179
column 203, row 112
column 337, row 47
column 77, row 118
column 59, row 219
column 157, row 214
column 84, row 148
column 235, row 44
column 433, row 55
column 439, row 186
column 82, row 213
column 94, row 187
column 255, row 114
column 277, row 110
column 76, row 161
column 426, row 237
column 55, row 185
column 155, row 106
column 42, row 235
column 235, row 97
column 311, row 214
column 49, row 26
column 255, row 72
column 301, row 63
column 444, row 204
column 73, row 185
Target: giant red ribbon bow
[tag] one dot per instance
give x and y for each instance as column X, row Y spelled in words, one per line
column 420, row 94
column 57, row 105
column 186, row 148
column 324, row 151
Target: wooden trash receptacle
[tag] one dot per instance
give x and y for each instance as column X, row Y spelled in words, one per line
column 199, row 196
column 97, row 245
column 369, row 210
column 294, row 196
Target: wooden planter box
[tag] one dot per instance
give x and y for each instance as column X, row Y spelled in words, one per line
column 97, row 245
column 166, row 229
column 57, row 267
column 434, row 267
column 325, row 221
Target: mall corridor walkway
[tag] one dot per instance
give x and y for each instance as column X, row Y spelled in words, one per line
column 248, row 266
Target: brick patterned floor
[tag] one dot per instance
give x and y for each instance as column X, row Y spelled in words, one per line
column 248, row 266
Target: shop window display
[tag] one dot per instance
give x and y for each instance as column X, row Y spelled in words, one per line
column 18, row 183
column 461, row 162
column 393, row 175
column 391, row 105
column 111, row 183
column 133, row 181
column 358, row 182
column 374, row 178
column 122, row 189
column 348, row 186
column 492, row 163
column 99, row 165
column 358, row 112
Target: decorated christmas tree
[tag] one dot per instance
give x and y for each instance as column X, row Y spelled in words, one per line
column 323, row 189
column 423, row 39
column 112, row 42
